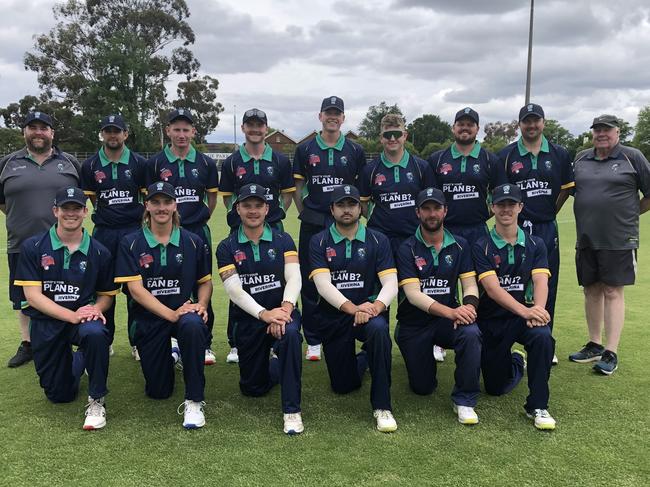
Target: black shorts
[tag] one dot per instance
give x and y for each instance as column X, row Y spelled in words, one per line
column 611, row 267
column 16, row 294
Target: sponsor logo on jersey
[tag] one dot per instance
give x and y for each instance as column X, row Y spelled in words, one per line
column 240, row 256
column 420, row 262
column 146, row 260
column 165, row 174
column 329, row 253
column 380, row 179
column 99, row 176
column 47, row 261
column 314, row 159
column 241, row 172
column 445, row 169
column 516, row 167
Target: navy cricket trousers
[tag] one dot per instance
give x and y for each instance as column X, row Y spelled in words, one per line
column 308, row 294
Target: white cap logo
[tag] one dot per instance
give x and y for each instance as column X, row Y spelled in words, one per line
column 37, row 114
column 70, row 192
column 429, row 192
column 253, row 190
column 159, row 186
column 181, row 111
column 346, row 189
column 506, row 190
column 111, row 119
column 333, row 100
column 530, row 108
column 467, row 110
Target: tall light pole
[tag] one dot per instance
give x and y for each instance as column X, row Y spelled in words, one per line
column 530, row 51
column 234, row 123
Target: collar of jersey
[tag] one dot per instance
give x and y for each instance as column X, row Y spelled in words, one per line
column 26, row 155
column 57, row 244
column 523, row 150
column 337, row 237
column 455, row 153
column 403, row 162
column 500, row 242
column 124, row 158
column 447, row 239
column 174, row 239
column 171, row 157
column 267, row 235
column 338, row 146
column 267, row 155
column 616, row 152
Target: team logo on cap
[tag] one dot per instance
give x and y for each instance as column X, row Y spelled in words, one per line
column 111, row 119
column 165, row 174
column 272, row 254
column 333, row 100
column 59, row 167
column 467, row 110
column 361, row 252
column 529, row 108
column 253, row 189
column 159, row 187
column 37, row 114
column 430, row 192
column 476, row 168
column 181, row 111
column 82, row 266
column 70, row 192
column 346, row 189
column 47, row 261
column 449, row 259
column 506, row 190
column 344, row 160
column 195, row 173
column 179, row 258
column 99, row 176
column 409, row 177
column 145, row 260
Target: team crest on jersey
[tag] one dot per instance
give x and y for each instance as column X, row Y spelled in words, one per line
column 272, row 254
column 409, row 177
column 127, row 173
column 82, row 266
column 100, row 176
column 59, row 167
column 314, row 159
column 476, row 168
column 615, row 167
column 240, row 257
column 361, row 253
column 269, row 170
column 344, row 160
column 445, row 169
column 449, row 259
column 165, row 174
column 330, row 253
column 145, row 260
column 516, row 167
column 47, row 261
column 241, row 172
column 206, row 249
column 497, row 260
column 420, row 262
column 195, row 172
column 548, row 164
column 380, row 179
column 523, row 258
column 179, row 258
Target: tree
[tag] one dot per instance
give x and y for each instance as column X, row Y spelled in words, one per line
column 557, row 134
column 495, row 143
column 370, row 125
column 199, row 95
column 432, row 147
column 501, row 130
column 428, row 128
column 10, row 140
column 626, row 130
column 642, row 132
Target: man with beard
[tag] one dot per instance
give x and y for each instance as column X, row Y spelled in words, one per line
column 544, row 172
column 354, row 272
column 466, row 173
column 114, row 179
column 320, row 165
column 429, row 265
column 29, row 180
column 256, row 162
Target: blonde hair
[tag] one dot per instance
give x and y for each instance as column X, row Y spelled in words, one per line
column 146, row 219
column 392, row 120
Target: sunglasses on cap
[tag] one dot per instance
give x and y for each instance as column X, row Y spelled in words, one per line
column 255, row 113
column 389, row 134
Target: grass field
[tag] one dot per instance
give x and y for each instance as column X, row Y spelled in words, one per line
column 602, row 435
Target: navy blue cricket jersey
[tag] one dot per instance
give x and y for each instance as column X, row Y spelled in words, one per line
column 193, row 177
column 437, row 273
column 71, row 280
column 540, row 178
column 272, row 171
column 169, row 272
column 260, row 266
column 466, row 182
column 391, row 190
column 514, row 265
column 118, row 187
column 323, row 167
column 355, row 265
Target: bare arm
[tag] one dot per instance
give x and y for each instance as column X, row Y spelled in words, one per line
column 212, row 201
column 287, row 198
column 297, row 195
column 364, row 208
column 148, row 301
column 561, row 199
column 226, row 200
column 506, row 301
column 644, row 204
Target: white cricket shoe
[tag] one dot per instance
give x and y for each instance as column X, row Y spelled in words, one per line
column 439, row 353
column 233, row 356
column 466, row 414
column 542, row 419
column 95, row 414
column 192, row 412
column 385, row 421
column 293, row 423
column 210, row 357
column 313, row 353
column 135, row 354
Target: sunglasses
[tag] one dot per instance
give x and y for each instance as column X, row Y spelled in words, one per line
column 389, row 134
column 255, row 113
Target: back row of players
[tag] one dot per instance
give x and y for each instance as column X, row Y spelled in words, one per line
column 348, row 275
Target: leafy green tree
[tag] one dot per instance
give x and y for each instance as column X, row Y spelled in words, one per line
column 432, row 147
column 499, row 130
column 495, row 143
column 10, row 140
column 642, row 132
column 370, row 146
column 428, row 128
column 200, row 96
column 557, row 134
column 370, row 125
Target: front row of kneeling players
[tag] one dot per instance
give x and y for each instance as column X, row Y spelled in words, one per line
column 66, row 275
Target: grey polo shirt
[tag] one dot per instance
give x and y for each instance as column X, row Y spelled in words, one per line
column 606, row 202
column 27, row 190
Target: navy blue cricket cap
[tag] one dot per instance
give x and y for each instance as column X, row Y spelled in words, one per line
column 505, row 192
column 255, row 114
column 70, row 195
column 332, row 102
column 38, row 117
column 430, row 194
column 160, row 188
column 531, row 109
column 466, row 112
column 113, row 121
column 345, row 191
column 252, row 191
column 180, row 113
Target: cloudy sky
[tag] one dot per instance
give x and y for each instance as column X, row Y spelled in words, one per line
column 428, row 56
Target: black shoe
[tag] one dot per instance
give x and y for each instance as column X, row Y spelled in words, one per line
column 607, row 364
column 589, row 353
column 23, row 355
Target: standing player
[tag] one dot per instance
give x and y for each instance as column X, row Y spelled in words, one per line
column 319, row 165
column 195, row 178
column 353, row 269
column 114, row 179
column 67, row 277
column 256, row 162
column 390, row 184
column 162, row 264
column 259, row 269
column 513, row 269
column 429, row 265
column 29, row 180
column 544, row 173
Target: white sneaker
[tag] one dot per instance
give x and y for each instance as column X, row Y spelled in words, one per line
column 210, row 358
column 192, row 412
column 555, row 361
column 134, row 353
column 95, row 414
column 523, row 356
column 543, row 420
column 176, row 354
column 385, row 421
column 439, row 353
column 233, row 356
column 111, row 352
column 313, row 353
column 293, row 423
column 466, row 414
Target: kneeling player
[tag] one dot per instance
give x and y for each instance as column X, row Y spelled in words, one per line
column 512, row 268
column 260, row 271
column 67, row 277
column 349, row 265
column 429, row 266
column 161, row 264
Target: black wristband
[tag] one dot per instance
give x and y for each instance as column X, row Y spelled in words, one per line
column 473, row 300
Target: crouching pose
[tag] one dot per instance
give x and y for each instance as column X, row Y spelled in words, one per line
column 259, row 269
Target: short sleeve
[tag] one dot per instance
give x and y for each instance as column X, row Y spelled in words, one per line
column 212, row 184
column 225, row 259
column 484, row 267
column 566, row 168
column 540, row 260
column 385, row 262
column 287, row 183
column 28, row 271
column 88, row 183
column 365, row 183
column 643, row 174
column 288, row 245
column 299, row 164
column 406, row 270
column 126, row 263
column 317, row 261
column 466, row 268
